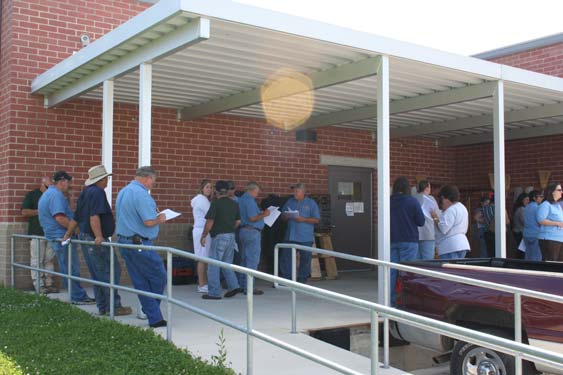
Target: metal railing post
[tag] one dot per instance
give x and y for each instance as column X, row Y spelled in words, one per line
column 386, row 299
column 69, row 270
column 12, row 261
column 169, row 295
column 111, row 282
column 374, row 333
column 518, row 330
column 37, row 273
column 293, row 297
column 276, row 263
column 249, row 324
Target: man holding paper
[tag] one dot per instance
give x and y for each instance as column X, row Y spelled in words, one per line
column 301, row 214
column 251, row 225
column 138, row 223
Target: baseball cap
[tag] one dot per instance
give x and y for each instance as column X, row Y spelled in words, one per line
column 299, row 185
column 61, row 175
column 221, row 186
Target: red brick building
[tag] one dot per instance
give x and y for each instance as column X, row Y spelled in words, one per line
column 35, row 36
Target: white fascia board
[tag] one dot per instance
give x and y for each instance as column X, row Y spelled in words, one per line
column 138, row 24
column 513, row 134
column 340, row 74
column 512, row 74
column 194, row 32
column 437, row 99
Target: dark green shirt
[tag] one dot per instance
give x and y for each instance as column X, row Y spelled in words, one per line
column 30, row 203
column 224, row 211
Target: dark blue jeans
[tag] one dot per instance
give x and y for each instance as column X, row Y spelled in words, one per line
column 304, row 270
column 250, row 252
column 98, row 261
column 401, row 252
column 77, row 293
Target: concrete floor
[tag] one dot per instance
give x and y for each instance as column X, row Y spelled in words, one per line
column 272, row 317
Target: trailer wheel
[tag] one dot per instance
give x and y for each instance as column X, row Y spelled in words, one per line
column 470, row 359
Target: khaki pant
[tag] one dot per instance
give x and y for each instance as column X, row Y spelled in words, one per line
column 46, row 260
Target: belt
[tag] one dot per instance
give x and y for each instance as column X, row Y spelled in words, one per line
column 129, row 238
column 251, row 227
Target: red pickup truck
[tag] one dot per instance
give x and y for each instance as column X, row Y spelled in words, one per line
column 483, row 309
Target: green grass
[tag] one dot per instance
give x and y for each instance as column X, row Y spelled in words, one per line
column 42, row 336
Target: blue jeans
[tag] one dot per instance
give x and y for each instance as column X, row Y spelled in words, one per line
column 453, row 255
column 98, row 261
column 533, row 251
column 426, row 249
column 304, row 270
column 222, row 249
column 250, row 252
column 401, row 252
column 77, row 293
column 482, row 234
column 147, row 273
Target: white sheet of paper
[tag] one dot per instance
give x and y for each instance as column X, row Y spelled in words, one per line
column 349, row 208
column 359, row 207
column 291, row 213
column 66, row 242
column 169, row 214
column 272, row 217
column 522, row 246
column 428, row 205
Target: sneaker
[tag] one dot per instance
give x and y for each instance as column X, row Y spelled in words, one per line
column 122, row 310
column 256, row 292
column 233, row 292
column 141, row 315
column 85, row 301
column 203, row 289
column 162, row 323
column 208, row 296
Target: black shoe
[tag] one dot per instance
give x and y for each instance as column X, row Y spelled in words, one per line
column 208, row 296
column 233, row 292
column 256, row 292
column 162, row 323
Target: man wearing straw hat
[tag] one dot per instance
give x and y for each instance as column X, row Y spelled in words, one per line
column 95, row 219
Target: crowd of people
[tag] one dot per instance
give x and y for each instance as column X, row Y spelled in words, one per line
column 224, row 225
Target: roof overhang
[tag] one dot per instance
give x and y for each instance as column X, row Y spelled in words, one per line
column 214, row 56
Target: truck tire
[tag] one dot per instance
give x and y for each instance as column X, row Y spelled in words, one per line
column 469, row 359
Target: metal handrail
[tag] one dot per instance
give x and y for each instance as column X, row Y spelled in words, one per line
column 507, row 346
column 518, row 292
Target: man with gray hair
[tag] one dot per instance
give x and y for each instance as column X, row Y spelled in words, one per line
column 251, row 225
column 45, row 258
column 138, row 223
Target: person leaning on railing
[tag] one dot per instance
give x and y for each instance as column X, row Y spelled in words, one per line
column 550, row 218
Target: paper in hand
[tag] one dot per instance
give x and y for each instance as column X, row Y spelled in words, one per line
column 169, row 214
column 273, row 216
column 65, row 242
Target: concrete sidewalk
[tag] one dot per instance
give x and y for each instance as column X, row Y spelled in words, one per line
column 272, row 316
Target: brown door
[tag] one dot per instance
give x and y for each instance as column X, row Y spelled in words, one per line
column 351, row 213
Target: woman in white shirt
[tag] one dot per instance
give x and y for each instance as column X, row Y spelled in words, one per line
column 451, row 225
column 200, row 206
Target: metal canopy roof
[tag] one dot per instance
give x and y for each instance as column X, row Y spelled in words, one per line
column 212, row 56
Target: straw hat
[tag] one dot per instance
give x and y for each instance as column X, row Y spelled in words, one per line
column 95, row 174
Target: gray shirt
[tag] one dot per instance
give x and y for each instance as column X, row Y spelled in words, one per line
column 426, row 232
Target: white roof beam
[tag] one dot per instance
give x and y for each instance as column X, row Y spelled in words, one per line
column 189, row 34
column 325, row 78
column 523, row 133
column 425, row 101
column 546, row 111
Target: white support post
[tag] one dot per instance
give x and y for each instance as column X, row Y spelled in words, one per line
column 145, row 107
column 383, row 176
column 500, row 217
column 107, row 133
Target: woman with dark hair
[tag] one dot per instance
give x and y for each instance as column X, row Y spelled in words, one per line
column 200, row 205
column 406, row 216
column 451, row 225
column 518, row 220
column 550, row 218
column 531, row 227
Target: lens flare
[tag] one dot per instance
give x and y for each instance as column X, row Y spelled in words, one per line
column 287, row 99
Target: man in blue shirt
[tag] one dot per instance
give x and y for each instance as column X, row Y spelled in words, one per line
column 94, row 217
column 54, row 216
column 300, row 230
column 138, row 223
column 251, row 225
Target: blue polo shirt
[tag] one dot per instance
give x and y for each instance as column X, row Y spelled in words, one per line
column 93, row 202
column 133, row 207
column 248, row 208
column 531, row 226
column 53, row 203
column 301, row 232
column 553, row 212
